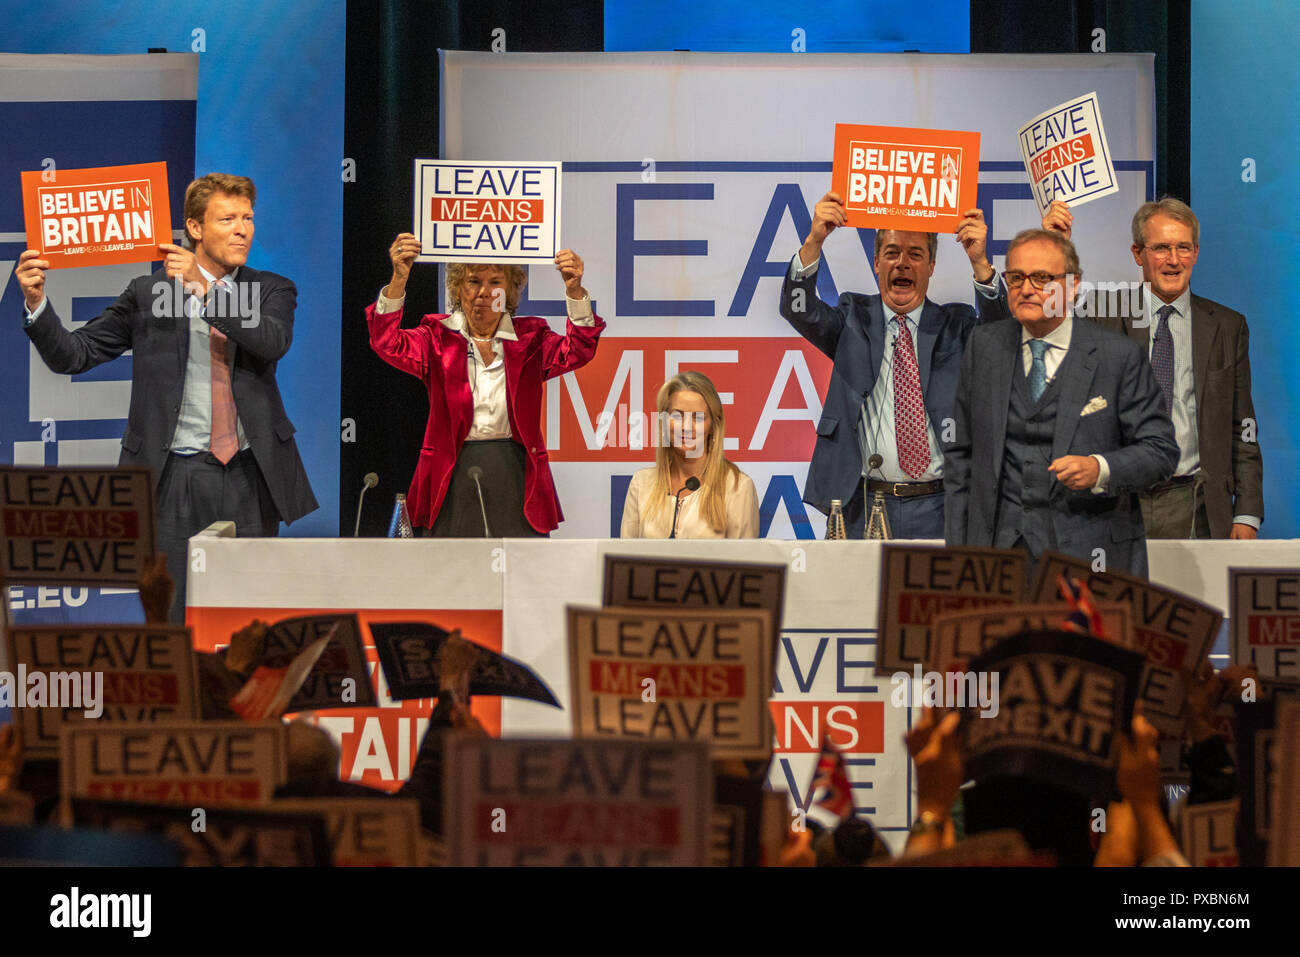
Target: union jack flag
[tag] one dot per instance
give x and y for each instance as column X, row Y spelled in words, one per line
column 1084, row 617
column 831, row 789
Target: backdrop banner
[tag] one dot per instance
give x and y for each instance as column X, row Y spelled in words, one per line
column 689, row 183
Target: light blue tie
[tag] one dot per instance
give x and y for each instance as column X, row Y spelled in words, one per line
column 1037, row 369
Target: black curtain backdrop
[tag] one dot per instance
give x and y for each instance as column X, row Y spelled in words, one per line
column 1162, row 27
column 391, row 119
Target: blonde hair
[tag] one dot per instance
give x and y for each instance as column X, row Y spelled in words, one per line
column 457, row 273
column 717, row 472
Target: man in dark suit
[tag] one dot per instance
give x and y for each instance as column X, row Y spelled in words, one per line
column 1059, row 424
column 206, row 333
column 1200, row 351
column 896, row 357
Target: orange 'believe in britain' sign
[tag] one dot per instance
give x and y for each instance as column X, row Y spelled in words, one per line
column 96, row 217
column 894, row 177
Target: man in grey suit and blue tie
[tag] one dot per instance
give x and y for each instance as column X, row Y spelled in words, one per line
column 1059, row 424
column 1200, row 353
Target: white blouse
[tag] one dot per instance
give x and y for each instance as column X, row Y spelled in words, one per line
column 487, row 380
column 741, row 509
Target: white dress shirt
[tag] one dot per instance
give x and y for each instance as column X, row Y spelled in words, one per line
column 487, row 380
column 194, row 425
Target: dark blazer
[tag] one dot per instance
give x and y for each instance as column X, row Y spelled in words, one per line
column 437, row 356
column 1132, row 431
column 1233, row 467
column 149, row 318
column 853, row 335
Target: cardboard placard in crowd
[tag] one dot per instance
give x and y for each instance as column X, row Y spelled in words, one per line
column 1173, row 632
column 222, row 837
column 341, row 676
column 1264, row 616
column 194, row 763
column 662, row 675
column 534, row 802
column 735, row 830
column 1284, row 841
column 958, row 636
column 268, row 691
column 365, row 832
column 75, row 526
column 409, row 654
column 1209, row 834
column 102, row 673
column 1062, row 700
column 632, row 582
column 1256, row 769
column 918, row 582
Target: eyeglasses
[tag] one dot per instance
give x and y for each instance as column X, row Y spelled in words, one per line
column 1164, row 250
column 1015, row 279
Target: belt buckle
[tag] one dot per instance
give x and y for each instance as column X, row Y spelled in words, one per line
column 897, row 485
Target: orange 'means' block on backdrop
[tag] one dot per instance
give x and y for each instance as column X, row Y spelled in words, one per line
column 97, row 217
column 896, row 177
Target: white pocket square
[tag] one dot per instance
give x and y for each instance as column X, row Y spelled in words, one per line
column 1095, row 404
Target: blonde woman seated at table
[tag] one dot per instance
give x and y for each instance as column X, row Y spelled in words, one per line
column 724, row 502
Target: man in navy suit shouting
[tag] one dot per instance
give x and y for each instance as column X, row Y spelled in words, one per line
column 896, row 357
column 206, row 332
column 1059, row 424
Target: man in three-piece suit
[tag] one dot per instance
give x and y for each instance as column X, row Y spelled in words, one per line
column 206, row 333
column 896, row 356
column 1200, row 351
column 1059, row 424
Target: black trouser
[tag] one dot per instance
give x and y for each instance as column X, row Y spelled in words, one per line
column 503, row 463
column 197, row 490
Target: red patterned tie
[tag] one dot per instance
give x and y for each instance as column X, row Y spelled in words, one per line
column 224, row 442
column 909, row 407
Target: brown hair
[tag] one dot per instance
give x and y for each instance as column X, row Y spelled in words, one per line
column 717, row 470
column 1064, row 245
column 1167, row 206
column 457, row 273
column 201, row 191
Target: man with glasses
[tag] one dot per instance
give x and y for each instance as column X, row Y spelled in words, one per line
column 1200, row 351
column 896, row 356
column 1058, row 424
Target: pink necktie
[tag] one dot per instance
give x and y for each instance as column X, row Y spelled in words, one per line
column 909, row 407
column 224, row 442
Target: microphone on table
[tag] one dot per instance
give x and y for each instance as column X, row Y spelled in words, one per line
column 371, row 480
column 476, row 473
column 691, row 485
